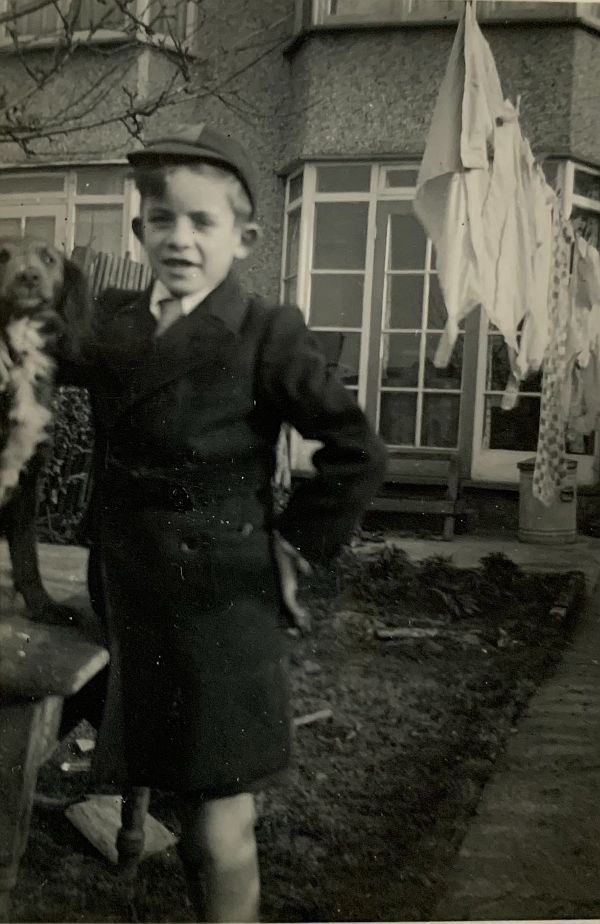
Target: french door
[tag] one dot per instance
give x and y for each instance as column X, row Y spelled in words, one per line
column 413, row 404
column 386, row 315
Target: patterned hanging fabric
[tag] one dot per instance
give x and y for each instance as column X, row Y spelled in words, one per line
column 550, row 463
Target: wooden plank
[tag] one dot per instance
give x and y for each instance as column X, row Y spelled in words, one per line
column 98, row 818
column 422, row 505
column 38, row 660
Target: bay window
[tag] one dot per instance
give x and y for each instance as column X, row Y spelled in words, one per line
column 145, row 20
column 88, row 206
column 358, row 263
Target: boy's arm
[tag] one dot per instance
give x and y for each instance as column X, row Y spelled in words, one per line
column 323, row 511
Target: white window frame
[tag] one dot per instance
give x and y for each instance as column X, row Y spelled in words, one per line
column 302, row 450
column 320, row 14
column 99, row 36
column 69, row 198
column 500, row 465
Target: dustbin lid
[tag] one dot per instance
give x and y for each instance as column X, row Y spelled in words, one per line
column 528, row 465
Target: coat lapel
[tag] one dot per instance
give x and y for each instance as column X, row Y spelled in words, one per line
column 198, row 339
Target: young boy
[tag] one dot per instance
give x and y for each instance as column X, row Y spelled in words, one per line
column 196, row 378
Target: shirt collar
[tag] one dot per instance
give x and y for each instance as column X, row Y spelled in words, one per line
column 226, row 302
column 160, row 293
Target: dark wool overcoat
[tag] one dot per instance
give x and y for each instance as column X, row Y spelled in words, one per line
column 187, row 426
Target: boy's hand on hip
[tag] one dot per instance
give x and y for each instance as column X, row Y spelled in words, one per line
column 291, row 564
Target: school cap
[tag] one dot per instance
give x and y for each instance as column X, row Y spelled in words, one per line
column 200, row 143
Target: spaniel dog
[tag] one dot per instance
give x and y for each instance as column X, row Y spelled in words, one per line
column 45, row 322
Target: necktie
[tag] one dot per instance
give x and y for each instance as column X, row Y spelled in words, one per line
column 170, row 310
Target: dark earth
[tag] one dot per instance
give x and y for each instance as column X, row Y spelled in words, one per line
column 382, row 791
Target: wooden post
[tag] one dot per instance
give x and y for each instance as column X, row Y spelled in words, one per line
column 130, row 840
column 39, row 666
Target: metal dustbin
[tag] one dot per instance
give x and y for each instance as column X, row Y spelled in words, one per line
column 551, row 525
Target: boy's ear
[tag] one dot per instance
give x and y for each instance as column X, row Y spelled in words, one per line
column 248, row 238
column 136, row 226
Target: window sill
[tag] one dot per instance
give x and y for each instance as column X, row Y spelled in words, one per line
column 591, row 23
column 101, row 37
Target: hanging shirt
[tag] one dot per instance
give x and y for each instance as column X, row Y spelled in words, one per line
column 484, row 215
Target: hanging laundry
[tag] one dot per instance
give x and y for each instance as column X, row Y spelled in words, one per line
column 550, row 463
column 486, row 206
column 581, row 397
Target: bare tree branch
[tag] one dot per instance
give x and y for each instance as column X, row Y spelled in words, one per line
column 190, row 77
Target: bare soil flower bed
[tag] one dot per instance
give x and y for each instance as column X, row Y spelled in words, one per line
column 425, row 669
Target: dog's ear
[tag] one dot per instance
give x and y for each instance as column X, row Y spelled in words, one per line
column 76, row 309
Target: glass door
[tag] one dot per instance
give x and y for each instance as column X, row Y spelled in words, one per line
column 45, row 222
column 501, row 439
column 413, row 404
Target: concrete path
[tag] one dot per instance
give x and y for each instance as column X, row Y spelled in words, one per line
column 533, row 847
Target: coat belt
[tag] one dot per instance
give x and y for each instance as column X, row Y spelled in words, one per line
column 130, row 487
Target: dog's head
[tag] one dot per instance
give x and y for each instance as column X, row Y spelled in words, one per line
column 36, row 279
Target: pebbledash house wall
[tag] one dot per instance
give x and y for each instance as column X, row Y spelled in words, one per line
column 372, row 91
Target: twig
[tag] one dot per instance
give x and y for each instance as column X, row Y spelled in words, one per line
column 321, row 716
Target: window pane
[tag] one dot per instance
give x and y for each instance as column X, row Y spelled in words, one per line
column 296, row 186
column 397, row 416
column 44, row 21
column 439, row 426
column 400, row 366
column 99, row 227
column 347, row 178
column 99, row 181
column 401, row 177
column 342, row 352
column 168, row 17
column 97, row 14
column 513, row 430
column 10, row 227
column 404, row 308
column 340, row 235
column 31, row 182
column 292, row 245
column 336, row 300
column 451, row 376
column 498, row 369
column 586, row 184
column 407, row 244
column 42, row 226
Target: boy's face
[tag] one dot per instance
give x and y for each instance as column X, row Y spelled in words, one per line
column 190, row 233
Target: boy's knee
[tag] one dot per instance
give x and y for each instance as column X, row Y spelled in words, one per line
column 220, row 831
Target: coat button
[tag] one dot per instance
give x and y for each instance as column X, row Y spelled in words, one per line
column 247, row 530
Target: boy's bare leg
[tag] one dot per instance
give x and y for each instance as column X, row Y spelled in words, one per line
column 218, row 851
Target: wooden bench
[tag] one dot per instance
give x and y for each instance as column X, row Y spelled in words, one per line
column 415, row 468
column 39, row 666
